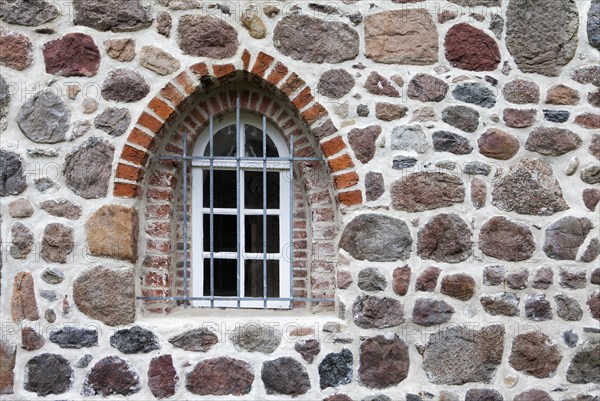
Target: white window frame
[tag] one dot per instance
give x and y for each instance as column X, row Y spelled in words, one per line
column 198, row 212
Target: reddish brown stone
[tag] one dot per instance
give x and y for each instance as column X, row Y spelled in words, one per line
column 543, row 278
column 562, row 95
column 533, row 395
column 376, row 84
column 520, row 91
column 427, row 281
column 445, row 238
column 446, row 16
column 112, row 231
column 518, row 280
column 519, row 118
column 588, row 120
column 111, row 375
column 535, row 354
column 591, row 197
column 338, row 397
column 459, row 286
column 389, row 111
column 363, row 140
column 504, row 239
column 308, row 349
column 344, row 278
column 206, row 36
column 384, row 362
column 471, row 49
column 8, row 358
column 427, row 88
column 478, row 193
column 73, row 55
column 593, row 303
column 15, row 50
column 498, row 144
column 401, row 280
column 431, row 312
column 594, row 98
column 594, row 147
column 422, row 191
column 23, row 304
column 162, row 377
column 220, row 376
column 552, row 141
column 30, row 340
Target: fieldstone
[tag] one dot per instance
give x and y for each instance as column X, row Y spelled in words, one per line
column 376, row 84
column 22, row 241
column 377, row 397
column 106, row 295
column 401, row 280
column 113, row 15
column 4, row 102
column 362, row 110
column 556, row 116
column 8, row 357
column 135, row 340
column 370, row 279
column 285, row 376
column 112, row 231
column 422, row 191
column 572, row 278
column 49, row 295
column 476, row 168
column 336, row 369
column 409, row 137
column 308, row 349
column 61, row 208
column 384, row 361
column 44, row 118
column 570, row 338
column 377, row 312
column 427, row 280
column 519, row 118
column 407, row 36
column 535, row 354
column 590, row 174
column 30, row 339
column 446, row 15
column 72, row 55
column 459, row 355
column 483, row 394
column 423, row 114
column 43, row 184
column 120, row 49
column 338, row 397
column 198, row 340
column 48, row 374
column 88, row 168
column 374, row 186
column 565, row 236
column 164, row 23
column 314, row 40
column 445, row 238
column 22, row 303
column 50, row 315
column 592, row 251
column 253, row 23
column 111, row 375
column 157, row 60
column 402, row 162
column 533, row 395
column 562, row 95
column 377, row 238
column 427, row 88
column 568, row 308
column 123, row 85
column 529, row 187
column 57, row 243
column 594, row 147
column 220, row 376
column 478, row 193
column 505, row 304
column 73, row 337
column 595, row 277
column 12, row 176
column 518, row 280
column 552, row 141
column 431, row 312
column 53, row 275
column 537, row 307
column 461, row 117
column 256, row 338
column 114, row 121
column 16, row 50
column 362, row 142
column 497, row 144
column 585, row 365
column 542, row 37
column 469, row 48
column 493, row 275
column 496, row 25
column 593, row 304
column 20, row 208
column 335, row 83
column 460, row 286
column 88, row 106
column 29, row 12
column 475, row 93
column 507, row 240
column 444, row 141
column 162, row 376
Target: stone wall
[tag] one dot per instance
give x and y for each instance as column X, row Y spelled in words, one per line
column 455, row 220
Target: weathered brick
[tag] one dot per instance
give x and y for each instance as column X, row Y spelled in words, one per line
column 262, row 63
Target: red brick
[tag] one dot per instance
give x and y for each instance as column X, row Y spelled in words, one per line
column 158, row 211
column 223, row 70
column 262, row 63
column 157, row 262
column 186, row 82
column 158, row 280
column 199, row 69
column 303, row 98
column 152, row 123
column 158, row 194
column 160, row 108
column 138, row 137
column 172, row 94
column 125, row 190
column 350, row 198
column 293, row 83
column 346, row 180
column 265, row 103
column 159, row 229
column 341, row 163
column 246, row 60
column 136, row 156
column 314, row 113
column 159, row 246
column 127, row 172
column 333, row 146
column 277, row 74
column 156, row 293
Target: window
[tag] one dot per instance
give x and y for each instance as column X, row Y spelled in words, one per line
column 241, row 190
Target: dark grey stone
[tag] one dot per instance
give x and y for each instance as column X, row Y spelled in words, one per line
column 135, row 340
column 556, row 116
column 199, row 340
column 113, row 15
column 593, row 24
column 505, row 304
column 73, row 337
column 477, row 168
column 362, row 110
column 44, row 118
column 483, row 394
column 402, row 162
column 565, row 236
column 336, row 369
column 445, row 141
column 286, row 376
column 28, row 12
column 461, row 117
column 568, row 308
column 84, row 361
column 585, row 365
column 475, row 93
column 88, row 168
column 570, row 338
column 114, row 121
column 335, row 83
column 53, row 275
column 48, row 374
column 49, row 295
column 537, row 307
column 370, row 279
column 4, row 101
column 377, row 312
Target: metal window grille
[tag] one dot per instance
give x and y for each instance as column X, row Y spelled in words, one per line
column 238, row 158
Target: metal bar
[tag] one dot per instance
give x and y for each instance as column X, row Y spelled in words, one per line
column 239, row 153
column 217, row 298
column 185, row 222
column 232, row 158
column 291, row 222
column 264, row 135
column 212, row 216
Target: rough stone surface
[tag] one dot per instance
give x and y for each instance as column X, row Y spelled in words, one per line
column 72, row 55
column 74, row 337
column 123, row 85
column 409, row 137
column 481, row 394
column 308, row 349
column 518, row 279
column 505, row 304
column 22, row 303
column 519, row 118
column 114, row 121
column 592, row 251
column 529, row 187
column 377, row 312
column 533, row 353
column 562, row 95
column 87, row 169
column 112, row 15
column 57, row 243
column 593, row 304
column 158, row 60
column 460, row 286
column 551, row 141
column 461, row 117
column 504, row 239
column 471, row 49
column 460, row 355
column 594, row 147
column 370, row 279
column 401, row 280
column 335, row 83
column 374, row 186
column 403, row 162
column 16, row 50
column 111, row 375
column 336, row 369
column 384, row 361
column 198, row 340
column 220, row 376
column 588, row 74
column 497, row 144
column 542, row 36
column 585, row 365
column 376, row 84
column 48, row 374
column 445, row 238
column 106, row 295
column 427, row 280
column 444, row 141
column 565, row 236
column 475, row 93
column 533, row 395
column 44, row 118
column 112, row 231
column 572, row 278
column 427, row 88
column 8, row 357
column 422, row 191
column 120, row 49
column 53, row 275
column 477, row 168
column 389, row 111
column 164, row 23
column 590, row 174
column 285, row 376
column 521, row 91
column 537, row 307
column 568, row 308
column 31, row 340
column 61, row 208
column 362, row 142
column 431, row 312
column 401, row 37
column 162, row 376
column 478, row 193
column 134, row 340
column 591, row 198
column 314, row 40
column 29, row 12
column 254, row 24
column 12, row 176
column 377, row 238
column 493, row 275
column 256, row 338
column 556, row 116
column 22, row 241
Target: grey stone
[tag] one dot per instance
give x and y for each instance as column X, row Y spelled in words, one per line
column 57, row 243
column 585, row 365
column 543, row 278
column 370, row 279
column 483, row 394
column 593, row 24
column 431, row 312
column 41, row 152
column 50, row 315
column 48, row 374
column 570, row 338
column 542, row 36
column 505, row 304
column 159, row 61
column 113, row 15
column 568, row 308
column 475, row 93
column 592, row 251
column 552, row 141
column 402, row 162
column 335, row 83
column 461, row 117
column 590, row 174
column 135, row 340
column 198, row 340
column 377, row 312
column 496, row 25
column 114, row 121
column 4, row 102
column 336, row 369
column 422, row 191
column 409, row 137
column 28, row 12
column 254, row 337
column 49, row 295
column 384, row 361
column 493, row 275
column 123, row 85
column 44, row 118
column 362, row 110
column 518, row 280
column 88, row 168
column 377, row 238
column 445, row 238
column 22, row 241
column 427, row 88
column 84, row 361
column 374, row 186
column 43, row 184
column 535, row 354
column 520, row 91
column 445, row 141
column 565, row 236
column 285, row 376
column 572, row 278
column 53, row 275
column 61, row 208
column 12, row 176
column 476, row 168
column 164, row 23
column 73, row 337
column 537, row 307
column 556, row 116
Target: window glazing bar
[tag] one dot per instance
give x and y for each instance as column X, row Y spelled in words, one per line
column 291, row 245
column 264, row 138
column 212, row 217
column 232, row 158
column 239, row 154
column 185, row 222
column 221, row 298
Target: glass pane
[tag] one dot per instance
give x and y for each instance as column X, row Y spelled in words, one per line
column 254, row 143
column 225, row 271
column 253, row 276
column 254, row 234
column 253, row 189
column 225, row 233
column 224, row 190
column 224, row 142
